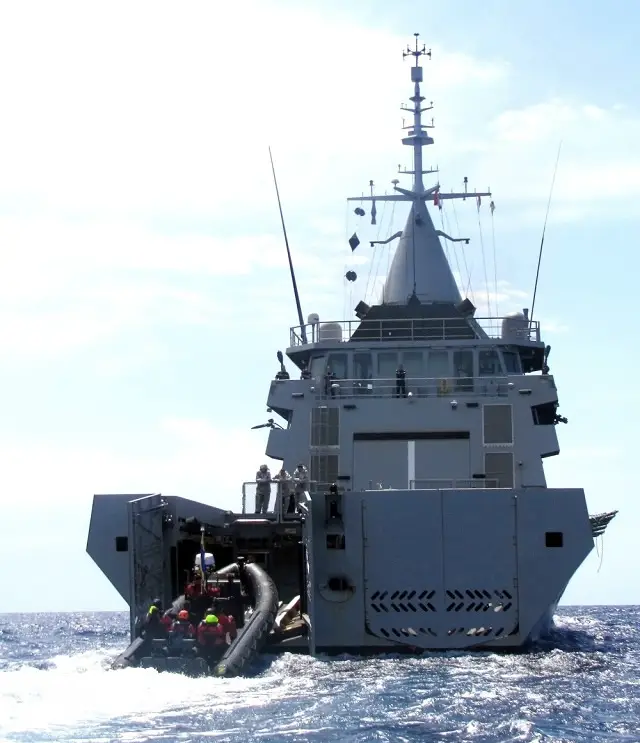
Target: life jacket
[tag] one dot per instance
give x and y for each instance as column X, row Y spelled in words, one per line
column 166, row 621
column 194, row 590
column 228, row 624
column 182, row 627
column 210, row 634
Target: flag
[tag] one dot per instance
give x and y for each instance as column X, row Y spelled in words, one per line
column 202, row 560
column 479, row 200
column 354, row 242
column 492, row 206
column 373, row 212
column 436, row 199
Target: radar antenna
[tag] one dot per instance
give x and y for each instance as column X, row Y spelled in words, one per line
column 420, row 239
column 286, row 242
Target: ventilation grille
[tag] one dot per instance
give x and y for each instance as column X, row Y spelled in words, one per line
column 406, row 632
column 478, row 600
column 403, row 601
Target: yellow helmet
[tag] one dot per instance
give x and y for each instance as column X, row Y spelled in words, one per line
column 211, row 619
column 153, row 609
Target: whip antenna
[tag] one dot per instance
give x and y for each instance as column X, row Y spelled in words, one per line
column 303, row 331
column 544, row 228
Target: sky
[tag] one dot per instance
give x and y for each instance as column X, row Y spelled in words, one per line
column 144, row 289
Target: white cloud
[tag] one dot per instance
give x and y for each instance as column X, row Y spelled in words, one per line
column 201, row 461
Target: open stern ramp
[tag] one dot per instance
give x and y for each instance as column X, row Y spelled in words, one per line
column 448, row 575
column 148, row 565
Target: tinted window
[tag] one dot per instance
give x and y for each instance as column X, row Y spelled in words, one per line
column 463, row 363
column 438, row 364
column 337, row 362
column 412, row 362
column 511, row 362
column 489, row 363
column 387, row 364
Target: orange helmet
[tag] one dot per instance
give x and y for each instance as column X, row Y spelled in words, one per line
column 183, row 614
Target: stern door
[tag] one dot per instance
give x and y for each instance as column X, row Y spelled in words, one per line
column 440, row 567
column 147, row 566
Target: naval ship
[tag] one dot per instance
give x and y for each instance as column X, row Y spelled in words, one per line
column 425, row 521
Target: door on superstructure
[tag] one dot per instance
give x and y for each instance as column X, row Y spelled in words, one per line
column 147, row 554
column 441, row 462
column 379, row 463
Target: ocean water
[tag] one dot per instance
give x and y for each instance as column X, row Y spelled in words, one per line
column 583, row 684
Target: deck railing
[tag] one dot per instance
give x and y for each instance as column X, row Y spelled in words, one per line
column 413, row 387
column 481, row 483
column 277, row 510
column 416, row 329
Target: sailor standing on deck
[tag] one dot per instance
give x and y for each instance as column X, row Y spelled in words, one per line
column 263, row 489
column 301, row 483
column 284, row 481
column 401, row 382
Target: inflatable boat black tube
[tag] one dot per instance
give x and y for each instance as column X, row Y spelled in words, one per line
column 248, row 644
column 139, row 647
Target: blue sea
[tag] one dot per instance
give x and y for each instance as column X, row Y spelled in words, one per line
column 583, row 684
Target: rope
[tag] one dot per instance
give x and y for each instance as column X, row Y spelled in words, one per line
column 393, row 214
column 484, row 264
column 495, row 265
column 375, row 251
column 445, row 228
column 464, row 256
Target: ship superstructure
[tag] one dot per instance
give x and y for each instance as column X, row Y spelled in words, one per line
column 427, row 522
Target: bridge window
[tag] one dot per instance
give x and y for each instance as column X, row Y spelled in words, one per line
column 338, row 363
column 498, row 468
column 463, row 363
column 122, row 544
column 387, row 364
column 438, row 364
column 512, row 362
column 362, row 366
column 489, row 363
column 497, row 424
column 317, row 366
column 325, row 427
column 412, row 362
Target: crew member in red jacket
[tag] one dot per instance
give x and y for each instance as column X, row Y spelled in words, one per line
column 182, row 627
column 210, row 634
column 228, row 624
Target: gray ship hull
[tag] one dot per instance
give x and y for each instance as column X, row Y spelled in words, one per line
column 448, row 569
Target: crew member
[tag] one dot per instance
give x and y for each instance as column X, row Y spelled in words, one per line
column 228, row 624
column 301, row 482
column 263, row 489
column 284, row 481
column 401, row 382
column 182, row 627
column 210, row 633
column 152, row 626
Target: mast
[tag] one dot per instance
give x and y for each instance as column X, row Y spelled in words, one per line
column 420, row 269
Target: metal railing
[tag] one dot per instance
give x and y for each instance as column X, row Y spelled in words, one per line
column 416, row 329
column 277, row 510
column 413, row 387
column 480, row 483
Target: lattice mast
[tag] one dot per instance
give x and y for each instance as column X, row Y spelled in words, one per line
column 419, row 268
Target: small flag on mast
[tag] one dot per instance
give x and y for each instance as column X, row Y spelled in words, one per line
column 373, row 212
column 479, row 201
column 202, row 560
